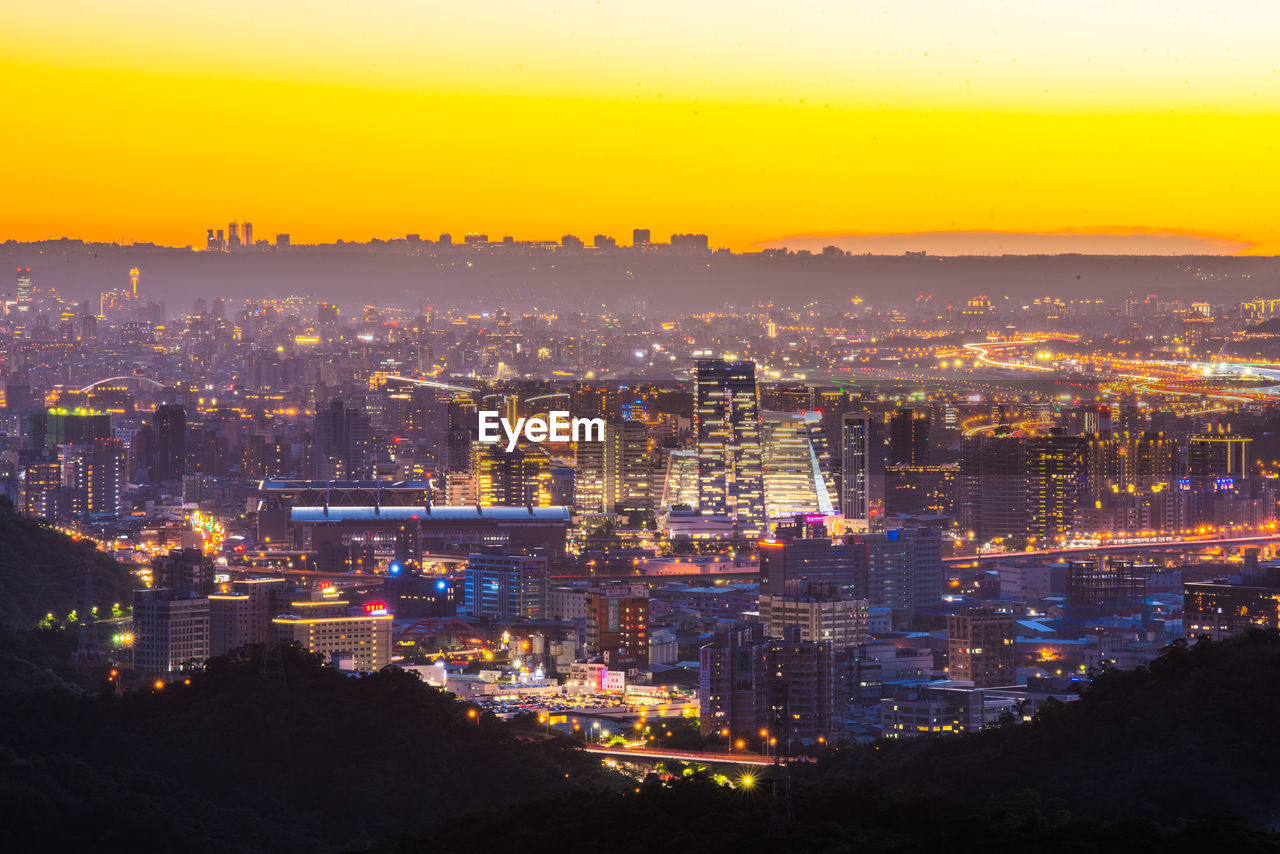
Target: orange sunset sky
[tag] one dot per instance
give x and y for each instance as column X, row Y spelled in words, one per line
column 956, row 127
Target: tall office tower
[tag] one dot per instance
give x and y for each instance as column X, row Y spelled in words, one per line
column 219, row 310
column 505, row 587
column 992, row 487
column 248, row 235
column 344, row 443
column 909, row 438
column 640, row 237
column 233, row 236
column 627, row 466
column 797, row 465
column 96, row 472
column 730, row 476
column 680, row 482
column 169, row 429
column 135, row 279
column 855, row 456
column 23, row 289
column 211, row 240
column 170, row 631
column 618, row 626
column 1150, row 461
column 903, row 569
column 589, row 486
column 981, row 648
column 1218, row 454
column 1056, row 482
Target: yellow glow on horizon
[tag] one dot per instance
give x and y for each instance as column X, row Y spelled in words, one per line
column 752, row 122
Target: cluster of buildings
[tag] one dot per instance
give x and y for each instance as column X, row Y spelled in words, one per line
column 918, row 541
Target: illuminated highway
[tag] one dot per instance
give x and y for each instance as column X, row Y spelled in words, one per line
column 708, row 757
column 1137, row 546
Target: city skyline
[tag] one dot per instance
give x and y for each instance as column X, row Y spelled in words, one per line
column 1145, row 131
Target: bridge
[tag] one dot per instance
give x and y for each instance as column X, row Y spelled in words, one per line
column 129, row 378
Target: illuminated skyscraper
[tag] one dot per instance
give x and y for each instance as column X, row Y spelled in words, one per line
column 23, row 292
column 855, row 493
column 134, row 276
column 797, row 465
column 730, row 474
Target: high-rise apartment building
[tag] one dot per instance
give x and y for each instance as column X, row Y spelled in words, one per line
column 618, row 625
column 782, row 686
column 1056, row 483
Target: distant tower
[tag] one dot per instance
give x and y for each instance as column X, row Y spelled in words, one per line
column 233, row 236
column 211, row 239
column 133, row 281
column 282, row 241
column 24, row 289
column 248, row 235
column 640, row 237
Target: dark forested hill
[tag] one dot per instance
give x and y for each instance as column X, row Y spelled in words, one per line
column 314, row 761
column 42, row 571
column 1177, row 758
